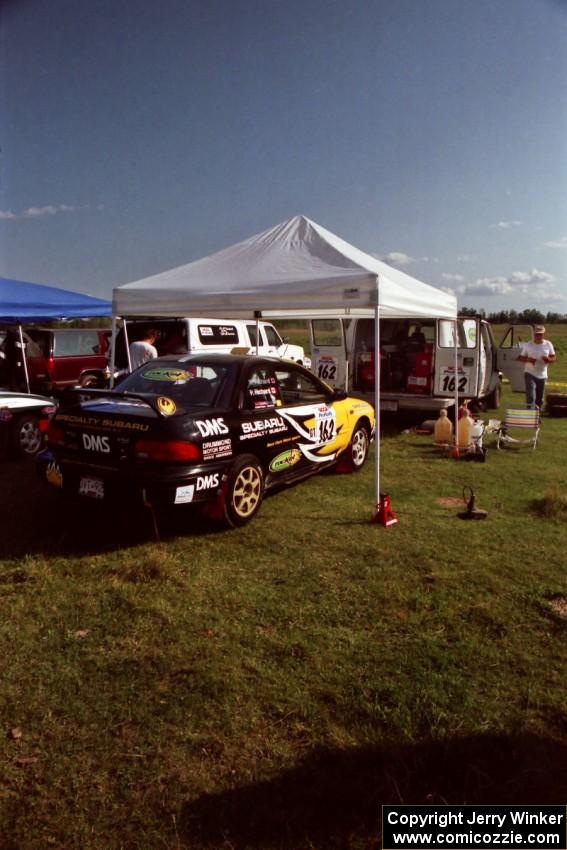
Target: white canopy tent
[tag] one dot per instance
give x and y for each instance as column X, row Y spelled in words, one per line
column 295, row 268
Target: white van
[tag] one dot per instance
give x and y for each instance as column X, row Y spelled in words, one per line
column 417, row 365
column 177, row 336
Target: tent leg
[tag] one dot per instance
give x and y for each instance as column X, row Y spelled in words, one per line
column 113, row 352
column 24, row 358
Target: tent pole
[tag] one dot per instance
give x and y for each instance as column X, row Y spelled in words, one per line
column 127, row 344
column 456, row 352
column 377, row 392
column 113, row 352
column 24, row 358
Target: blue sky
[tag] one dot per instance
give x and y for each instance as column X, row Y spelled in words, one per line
column 137, row 136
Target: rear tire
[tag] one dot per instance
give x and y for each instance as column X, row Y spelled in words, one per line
column 26, row 436
column 359, row 446
column 244, row 491
column 494, row 400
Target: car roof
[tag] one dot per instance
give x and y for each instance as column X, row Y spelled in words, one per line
column 219, row 358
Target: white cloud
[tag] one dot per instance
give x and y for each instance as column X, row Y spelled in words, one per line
column 507, row 225
column 557, row 243
column 399, row 259
column 40, row 212
column 455, row 278
column 396, row 258
column 535, row 283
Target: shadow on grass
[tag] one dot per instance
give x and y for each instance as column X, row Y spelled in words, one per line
column 333, row 799
column 36, row 519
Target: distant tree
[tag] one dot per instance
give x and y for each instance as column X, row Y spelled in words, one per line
column 531, row 317
column 467, row 311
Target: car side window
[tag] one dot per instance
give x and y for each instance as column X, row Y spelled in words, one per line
column 261, row 389
column 298, row 387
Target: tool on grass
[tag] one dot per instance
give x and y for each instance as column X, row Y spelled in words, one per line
column 472, row 512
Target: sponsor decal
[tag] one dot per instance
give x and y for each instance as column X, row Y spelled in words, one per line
column 212, row 427
column 96, row 443
column 173, row 375
column 5, row 414
column 92, row 422
column 207, row 482
column 351, row 294
column 184, row 494
column 217, row 449
column 166, row 405
column 53, row 474
column 285, row 460
column 261, row 427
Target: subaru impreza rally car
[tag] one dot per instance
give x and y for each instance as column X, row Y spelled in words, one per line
column 215, row 429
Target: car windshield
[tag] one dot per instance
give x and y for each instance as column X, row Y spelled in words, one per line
column 189, row 384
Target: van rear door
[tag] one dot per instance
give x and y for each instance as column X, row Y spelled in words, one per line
column 469, row 377
column 328, row 347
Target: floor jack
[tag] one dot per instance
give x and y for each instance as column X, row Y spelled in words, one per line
column 384, row 514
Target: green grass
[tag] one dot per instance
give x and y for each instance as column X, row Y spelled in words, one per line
column 270, row 687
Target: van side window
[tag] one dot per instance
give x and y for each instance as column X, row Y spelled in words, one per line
column 252, row 335
column 70, row 344
column 218, row 334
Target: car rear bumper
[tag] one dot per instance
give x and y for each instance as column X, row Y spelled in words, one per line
column 133, row 485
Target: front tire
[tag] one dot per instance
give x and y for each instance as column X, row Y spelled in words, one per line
column 26, row 436
column 244, row 491
column 359, row 446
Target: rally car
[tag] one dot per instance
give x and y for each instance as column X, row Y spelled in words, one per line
column 24, row 418
column 215, row 429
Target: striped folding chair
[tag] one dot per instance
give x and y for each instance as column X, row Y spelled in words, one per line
column 518, row 421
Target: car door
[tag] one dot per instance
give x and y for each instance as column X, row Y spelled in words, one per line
column 318, row 422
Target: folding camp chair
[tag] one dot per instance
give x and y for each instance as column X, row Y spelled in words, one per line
column 519, row 420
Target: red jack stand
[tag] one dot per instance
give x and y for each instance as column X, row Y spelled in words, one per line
column 384, row 514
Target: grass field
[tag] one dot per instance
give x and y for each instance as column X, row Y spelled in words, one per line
column 272, row 686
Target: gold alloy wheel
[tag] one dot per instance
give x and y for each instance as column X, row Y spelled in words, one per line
column 359, row 448
column 247, row 491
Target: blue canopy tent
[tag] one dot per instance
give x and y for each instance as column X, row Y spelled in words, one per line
column 22, row 302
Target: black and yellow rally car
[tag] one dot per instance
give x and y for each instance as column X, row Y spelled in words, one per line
column 213, row 429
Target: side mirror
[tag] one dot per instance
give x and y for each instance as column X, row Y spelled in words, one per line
column 339, row 395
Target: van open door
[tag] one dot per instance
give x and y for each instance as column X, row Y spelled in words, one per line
column 328, row 350
column 469, row 378
column 508, row 352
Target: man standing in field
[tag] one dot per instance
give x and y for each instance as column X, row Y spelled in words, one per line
column 536, row 355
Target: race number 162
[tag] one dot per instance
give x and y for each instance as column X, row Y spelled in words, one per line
column 449, row 383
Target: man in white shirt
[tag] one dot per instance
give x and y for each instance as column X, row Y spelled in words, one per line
column 536, row 355
column 144, row 349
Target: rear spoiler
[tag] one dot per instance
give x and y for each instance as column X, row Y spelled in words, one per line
column 74, row 396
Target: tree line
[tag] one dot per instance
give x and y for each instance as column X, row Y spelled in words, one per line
column 528, row 317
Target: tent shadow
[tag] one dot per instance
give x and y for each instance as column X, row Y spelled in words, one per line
column 333, row 798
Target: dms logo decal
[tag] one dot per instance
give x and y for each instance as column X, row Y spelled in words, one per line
column 285, row 460
column 96, row 443
column 207, row 482
column 212, row 427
